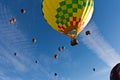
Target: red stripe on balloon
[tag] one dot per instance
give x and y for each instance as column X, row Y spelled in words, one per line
column 76, row 23
column 71, row 23
column 74, row 18
column 61, row 27
column 61, row 31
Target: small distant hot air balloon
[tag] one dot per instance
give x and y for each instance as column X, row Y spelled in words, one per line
column 59, row 49
column 34, row 40
column 115, row 72
column 23, row 11
column 55, row 74
column 13, row 20
column 88, row 32
column 63, row 47
column 36, row 61
column 68, row 17
column 55, row 56
column 93, row 69
column 15, row 54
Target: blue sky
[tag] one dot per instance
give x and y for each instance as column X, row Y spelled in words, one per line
column 100, row 50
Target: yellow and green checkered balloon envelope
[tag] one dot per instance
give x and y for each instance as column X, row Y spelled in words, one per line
column 68, row 16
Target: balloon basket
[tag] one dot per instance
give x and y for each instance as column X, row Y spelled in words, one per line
column 74, row 42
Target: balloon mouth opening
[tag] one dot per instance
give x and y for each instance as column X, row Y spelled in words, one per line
column 72, row 33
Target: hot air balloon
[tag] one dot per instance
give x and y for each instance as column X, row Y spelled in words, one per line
column 36, row 61
column 15, row 54
column 12, row 20
column 60, row 49
column 23, row 11
column 63, row 47
column 68, row 17
column 115, row 72
column 55, row 56
column 55, row 74
column 93, row 69
column 88, row 32
column 34, row 40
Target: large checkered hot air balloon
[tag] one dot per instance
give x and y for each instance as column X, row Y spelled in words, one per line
column 68, row 17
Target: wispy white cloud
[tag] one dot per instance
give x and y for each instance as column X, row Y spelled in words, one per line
column 103, row 71
column 3, row 76
column 64, row 78
column 101, row 48
column 13, row 40
column 8, row 37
